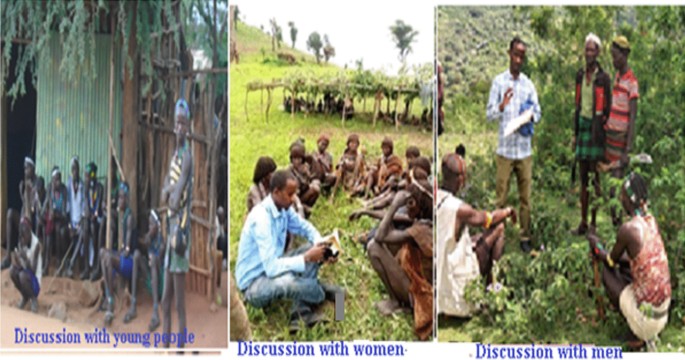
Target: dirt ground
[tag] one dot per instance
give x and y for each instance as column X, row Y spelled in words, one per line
column 81, row 300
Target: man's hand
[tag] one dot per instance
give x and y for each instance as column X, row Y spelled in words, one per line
column 401, row 197
column 315, row 253
column 512, row 215
column 356, row 215
column 507, row 98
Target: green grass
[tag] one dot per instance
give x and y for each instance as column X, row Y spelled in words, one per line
column 254, row 137
column 564, row 211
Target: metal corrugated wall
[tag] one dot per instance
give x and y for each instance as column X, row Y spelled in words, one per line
column 73, row 116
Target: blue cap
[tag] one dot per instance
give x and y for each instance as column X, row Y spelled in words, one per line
column 182, row 108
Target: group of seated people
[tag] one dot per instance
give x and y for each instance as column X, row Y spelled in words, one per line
column 399, row 248
column 67, row 223
column 635, row 272
column 58, row 221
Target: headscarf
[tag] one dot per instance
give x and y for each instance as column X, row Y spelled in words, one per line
column 591, row 37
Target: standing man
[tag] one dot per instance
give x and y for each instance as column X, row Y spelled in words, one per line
column 620, row 128
column 177, row 194
column 511, row 93
column 593, row 89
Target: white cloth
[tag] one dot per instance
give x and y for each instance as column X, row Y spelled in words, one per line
column 76, row 203
column 457, row 262
column 30, row 253
column 644, row 327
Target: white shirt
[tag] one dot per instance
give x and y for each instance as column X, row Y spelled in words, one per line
column 457, row 262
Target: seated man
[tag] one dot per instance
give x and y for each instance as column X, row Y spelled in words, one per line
column 26, row 194
column 462, row 257
column 264, row 273
column 640, row 286
column 403, row 259
column 75, row 208
column 38, row 208
column 56, row 227
column 121, row 261
column 94, row 219
column 154, row 243
column 27, row 266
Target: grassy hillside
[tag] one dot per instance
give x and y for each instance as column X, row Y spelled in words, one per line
column 253, row 138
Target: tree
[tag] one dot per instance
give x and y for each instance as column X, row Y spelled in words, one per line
column 328, row 50
column 403, row 36
column 314, row 45
column 293, row 32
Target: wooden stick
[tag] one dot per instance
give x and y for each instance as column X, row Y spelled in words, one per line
column 600, row 302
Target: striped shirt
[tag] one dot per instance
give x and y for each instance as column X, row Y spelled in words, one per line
column 625, row 90
column 514, row 146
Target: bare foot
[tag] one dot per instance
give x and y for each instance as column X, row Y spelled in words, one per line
column 388, row 307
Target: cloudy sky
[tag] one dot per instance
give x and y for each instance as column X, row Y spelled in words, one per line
column 357, row 29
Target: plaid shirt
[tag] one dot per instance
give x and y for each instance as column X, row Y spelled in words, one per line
column 514, row 146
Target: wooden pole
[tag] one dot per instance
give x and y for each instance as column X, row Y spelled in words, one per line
column 108, row 241
column 3, row 159
column 397, row 101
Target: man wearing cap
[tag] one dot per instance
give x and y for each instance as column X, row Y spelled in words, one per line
column 75, row 207
column 177, row 194
column 593, row 95
column 511, row 94
column 620, row 127
column 93, row 219
column 26, row 194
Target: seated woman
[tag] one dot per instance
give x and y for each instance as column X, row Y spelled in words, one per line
column 309, row 187
column 322, row 163
column 27, row 268
column 385, row 173
column 351, row 168
column 462, row 257
column 422, row 168
column 403, row 259
column 640, row 285
column 259, row 190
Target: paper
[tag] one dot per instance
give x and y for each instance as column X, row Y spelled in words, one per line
column 334, row 240
column 517, row 122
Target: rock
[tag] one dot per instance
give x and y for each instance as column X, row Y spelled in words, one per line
column 58, row 310
column 89, row 294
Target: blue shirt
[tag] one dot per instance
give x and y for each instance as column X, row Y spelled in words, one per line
column 514, row 146
column 262, row 242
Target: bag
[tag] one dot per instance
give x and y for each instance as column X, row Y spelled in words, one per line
column 527, row 129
